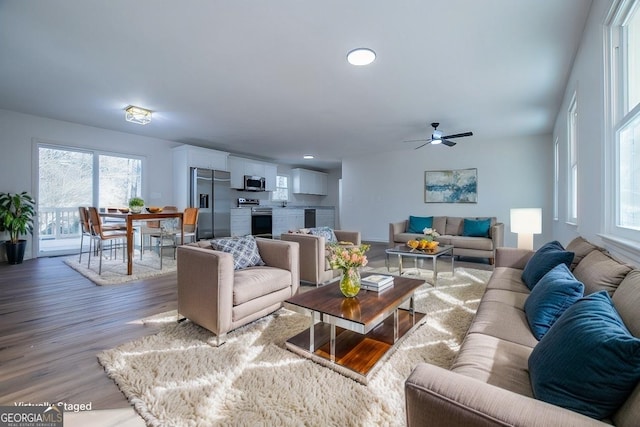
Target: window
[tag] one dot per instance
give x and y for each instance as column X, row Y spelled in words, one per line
column 624, row 113
column 69, row 178
column 282, row 189
column 572, row 126
column 556, row 177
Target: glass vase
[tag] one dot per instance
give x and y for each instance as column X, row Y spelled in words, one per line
column 350, row 282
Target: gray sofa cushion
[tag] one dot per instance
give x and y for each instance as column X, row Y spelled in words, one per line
column 454, row 226
column 599, row 271
column 501, row 315
column 480, row 243
column 254, row 282
column 495, row 361
column 509, row 279
column 581, row 248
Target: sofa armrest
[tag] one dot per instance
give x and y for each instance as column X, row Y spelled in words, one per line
column 205, row 287
column 396, row 228
column 282, row 254
column 312, row 255
column 497, row 235
column 348, row 236
column 437, row 397
column 512, row 257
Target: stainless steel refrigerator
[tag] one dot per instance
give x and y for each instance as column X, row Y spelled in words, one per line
column 211, row 193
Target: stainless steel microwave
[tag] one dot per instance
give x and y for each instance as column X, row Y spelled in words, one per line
column 254, row 183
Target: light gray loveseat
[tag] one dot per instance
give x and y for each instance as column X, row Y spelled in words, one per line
column 489, row 383
column 217, row 297
column 450, row 229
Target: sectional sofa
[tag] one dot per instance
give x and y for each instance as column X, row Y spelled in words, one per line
column 452, row 232
column 493, row 382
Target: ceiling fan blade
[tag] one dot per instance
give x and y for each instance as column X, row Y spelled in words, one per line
column 458, row 135
column 420, row 146
column 448, row 143
column 418, row 140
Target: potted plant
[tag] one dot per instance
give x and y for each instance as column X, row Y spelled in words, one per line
column 136, row 204
column 17, row 214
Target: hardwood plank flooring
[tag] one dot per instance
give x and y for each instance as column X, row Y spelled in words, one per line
column 54, row 322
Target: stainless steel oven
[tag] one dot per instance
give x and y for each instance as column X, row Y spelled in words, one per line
column 261, row 222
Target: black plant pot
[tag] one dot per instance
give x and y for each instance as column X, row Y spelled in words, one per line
column 15, row 251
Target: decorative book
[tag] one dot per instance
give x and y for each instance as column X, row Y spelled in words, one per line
column 377, row 280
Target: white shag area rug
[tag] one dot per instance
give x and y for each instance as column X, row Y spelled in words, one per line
column 178, row 377
column 114, row 271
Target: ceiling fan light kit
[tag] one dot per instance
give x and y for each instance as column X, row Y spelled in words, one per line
column 438, row 138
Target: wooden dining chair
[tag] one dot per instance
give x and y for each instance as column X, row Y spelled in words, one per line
column 101, row 235
column 85, row 230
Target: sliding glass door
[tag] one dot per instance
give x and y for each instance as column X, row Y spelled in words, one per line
column 69, row 178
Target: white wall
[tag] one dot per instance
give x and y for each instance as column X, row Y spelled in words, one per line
column 587, row 81
column 19, row 133
column 388, row 187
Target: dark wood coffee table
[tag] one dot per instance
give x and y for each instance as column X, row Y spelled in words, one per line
column 354, row 335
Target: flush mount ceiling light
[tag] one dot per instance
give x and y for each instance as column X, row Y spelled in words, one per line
column 307, row 156
column 137, row 115
column 361, row 56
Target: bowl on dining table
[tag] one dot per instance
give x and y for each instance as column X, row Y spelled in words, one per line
column 123, row 210
column 154, row 209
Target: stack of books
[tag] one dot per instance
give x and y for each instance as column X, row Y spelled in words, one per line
column 376, row 282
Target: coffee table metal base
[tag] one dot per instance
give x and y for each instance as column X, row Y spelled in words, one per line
column 355, row 355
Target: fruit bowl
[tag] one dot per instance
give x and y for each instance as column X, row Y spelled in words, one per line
column 154, row 209
column 123, row 210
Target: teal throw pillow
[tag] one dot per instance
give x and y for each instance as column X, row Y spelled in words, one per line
column 554, row 293
column 588, row 362
column 476, row 227
column 418, row 223
column 543, row 260
column 244, row 250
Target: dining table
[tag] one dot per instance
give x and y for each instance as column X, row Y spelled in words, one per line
column 130, row 217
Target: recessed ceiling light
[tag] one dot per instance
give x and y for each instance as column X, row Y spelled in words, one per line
column 307, row 156
column 361, row 56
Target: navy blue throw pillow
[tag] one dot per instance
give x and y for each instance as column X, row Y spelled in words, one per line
column 476, row 227
column 588, row 362
column 418, row 223
column 543, row 260
column 554, row 293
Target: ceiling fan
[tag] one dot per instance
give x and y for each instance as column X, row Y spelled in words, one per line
column 438, row 138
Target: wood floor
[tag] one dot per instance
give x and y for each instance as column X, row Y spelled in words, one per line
column 55, row 321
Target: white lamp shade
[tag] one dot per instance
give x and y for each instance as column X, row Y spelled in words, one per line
column 526, row 220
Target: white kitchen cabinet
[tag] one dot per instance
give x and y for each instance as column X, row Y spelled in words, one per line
column 236, row 169
column 239, row 167
column 189, row 156
column 306, row 181
column 270, row 176
column 240, row 221
column 325, row 218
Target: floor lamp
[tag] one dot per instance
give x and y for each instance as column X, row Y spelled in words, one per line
column 526, row 223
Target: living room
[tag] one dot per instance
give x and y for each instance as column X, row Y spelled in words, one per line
column 385, row 182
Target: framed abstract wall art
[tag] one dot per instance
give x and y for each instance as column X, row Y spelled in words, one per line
column 451, row 186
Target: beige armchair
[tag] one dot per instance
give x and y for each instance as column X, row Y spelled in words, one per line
column 218, row 298
column 314, row 267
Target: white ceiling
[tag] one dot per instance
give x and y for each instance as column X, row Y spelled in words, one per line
column 270, row 78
